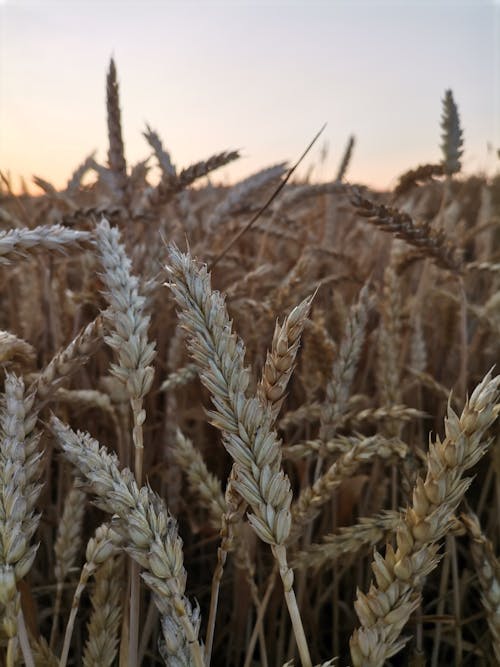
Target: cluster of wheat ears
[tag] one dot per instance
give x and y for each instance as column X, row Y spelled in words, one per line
column 256, row 449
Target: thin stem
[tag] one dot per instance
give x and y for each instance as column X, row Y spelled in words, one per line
column 135, row 586
column 463, row 340
column 57, row 610
column 84, row 577
column 137, row 435
column 214, row 599
column 11, row 652
column 192, row 639
column 260, row 617
column 133, row 638
column 286, row 574
column 445, row 573
column 451, row 544
column 22, row 633
column 147, row 630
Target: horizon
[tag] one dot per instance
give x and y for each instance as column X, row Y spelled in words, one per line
column 261, row 77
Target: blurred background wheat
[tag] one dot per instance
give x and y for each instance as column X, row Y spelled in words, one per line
column 250, row 423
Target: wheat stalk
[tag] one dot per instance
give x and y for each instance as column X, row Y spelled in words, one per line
column 385, row 610
column 363, row 450
column 245, row 423
column 67, row 546
column 116, row 154
column 149, row 532
column 20, row 471
column 102, row 629
column 430, row 243
column 452, row 135
column 20, row 243
column 67, row 361
column 488, row 570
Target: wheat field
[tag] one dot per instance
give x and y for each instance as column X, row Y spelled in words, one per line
column 250, row 425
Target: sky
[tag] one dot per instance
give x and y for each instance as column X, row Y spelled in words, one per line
column 261, row 77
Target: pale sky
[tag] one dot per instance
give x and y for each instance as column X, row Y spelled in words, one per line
column 259, row 76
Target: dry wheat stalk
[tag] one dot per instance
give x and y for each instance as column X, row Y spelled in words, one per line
column 452, row 135
column 312, row 412
column 348, row 541
column 20, row 471
column 128, row 325
column 346, row 159
column 116, row 155
column 102, row 546
column 19, row 243
column 306, row 507
column 399, row 575
column 163, row 156
column 245, row 191
column 42, row 654
column 149, row 532
column 493, row 267
column 271, row 391
column 385, row 413
column 389, row 344
column 75, row 181
column 280, row 359
column 345, row 365
column 430, row 243
column 197, row 170
column 418, row 347
column 47, row 187
column 179, row 377
column 85, row 399
column 309, row 412
column 487, row 566
column 245, row 423
column 202, row 482
column 14, row 348
column 340, row 445
column 168, row 187
column 67, row 361
column 414, row 177
column 67, row 546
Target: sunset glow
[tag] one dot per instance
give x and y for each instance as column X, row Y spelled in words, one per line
column 261, row 77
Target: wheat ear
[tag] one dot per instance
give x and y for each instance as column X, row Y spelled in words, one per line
column 345, row 365
column 311, row 499
column 452, row 135
column 201, row 481
column 280, row 359
column 149, row 532
column 102, row 629
column 347, row 541
column 128, row 324
column 488, row 570
column 179, row 377
column 428, row 242
column 412, row 178
column 163, row 156
column 67, row 361
column 67, row 546
column 14, row 348
column 100, row 548
column 19, row 491
column 21, row 243
column 385, row 610
column 346, row 159
column 245, row 423
column 116, row 153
